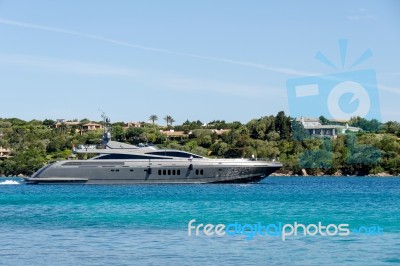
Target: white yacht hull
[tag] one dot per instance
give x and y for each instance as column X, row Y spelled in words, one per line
column 153, row 171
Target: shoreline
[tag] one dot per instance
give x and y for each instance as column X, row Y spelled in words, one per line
column 285, row 175
column 337, row 174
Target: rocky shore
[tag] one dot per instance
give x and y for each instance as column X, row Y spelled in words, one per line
column 338, row 173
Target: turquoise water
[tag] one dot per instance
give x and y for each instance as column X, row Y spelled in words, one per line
column 148, row 224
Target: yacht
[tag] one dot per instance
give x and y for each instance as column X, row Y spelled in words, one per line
column 121, row 163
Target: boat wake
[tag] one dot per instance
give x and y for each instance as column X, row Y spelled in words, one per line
column 10, row 182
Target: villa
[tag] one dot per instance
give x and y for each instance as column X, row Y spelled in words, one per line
column 4, row 153
column 62, row 122
column 134, row 124
column 172, row 134
column 91, row 127
column 314, row 127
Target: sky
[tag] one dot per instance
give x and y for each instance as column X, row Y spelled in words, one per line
column 196, row 60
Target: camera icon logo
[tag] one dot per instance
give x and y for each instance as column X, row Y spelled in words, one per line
column 338, row 96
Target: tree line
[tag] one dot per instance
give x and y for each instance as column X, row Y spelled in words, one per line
column 373, row 150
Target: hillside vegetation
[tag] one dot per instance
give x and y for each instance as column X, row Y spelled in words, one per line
column 374, row 150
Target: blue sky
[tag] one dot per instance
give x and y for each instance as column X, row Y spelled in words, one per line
column 196, row 60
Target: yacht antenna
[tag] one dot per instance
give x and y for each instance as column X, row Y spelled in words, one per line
column 106, row 128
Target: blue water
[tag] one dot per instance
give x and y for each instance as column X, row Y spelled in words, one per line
column 148, row 224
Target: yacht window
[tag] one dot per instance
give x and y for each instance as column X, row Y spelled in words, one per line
column 174, row 172
column 201, row 172
column 179, row 172
column 197, row 171
column 126, row 157
column 169, row 172
column 164, row 172
column 174, row 154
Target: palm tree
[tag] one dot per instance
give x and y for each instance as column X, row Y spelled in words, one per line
column 153, row 118
column 169, row 120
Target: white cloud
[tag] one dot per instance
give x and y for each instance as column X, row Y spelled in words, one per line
column 159, row 79
column 360, row 14
column 389, row 89
column 281, row 70
column 390, row 73
column 60, row 65
column 210, row 87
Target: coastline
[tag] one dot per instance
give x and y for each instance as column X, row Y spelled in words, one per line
column 380, row 175
column 337, row 174
column 286, row 173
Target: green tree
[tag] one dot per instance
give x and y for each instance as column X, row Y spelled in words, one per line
column 192, row 124
column 203, row 137
column 361, row 158
column 219, row 149
column 324, row 120
column 49, row 123
column 392, row 127
column 298, row 131
column 135, row 135
column 257, row 129
column 218, row 124
column 84, row 121
column 372, row 125
column 282, row 125
column 118, row 133
column 320, row 159
column 153, row 118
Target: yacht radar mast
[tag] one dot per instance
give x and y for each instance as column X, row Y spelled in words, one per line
column 106, row 128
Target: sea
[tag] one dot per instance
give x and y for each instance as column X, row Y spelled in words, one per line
column 279, row 221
